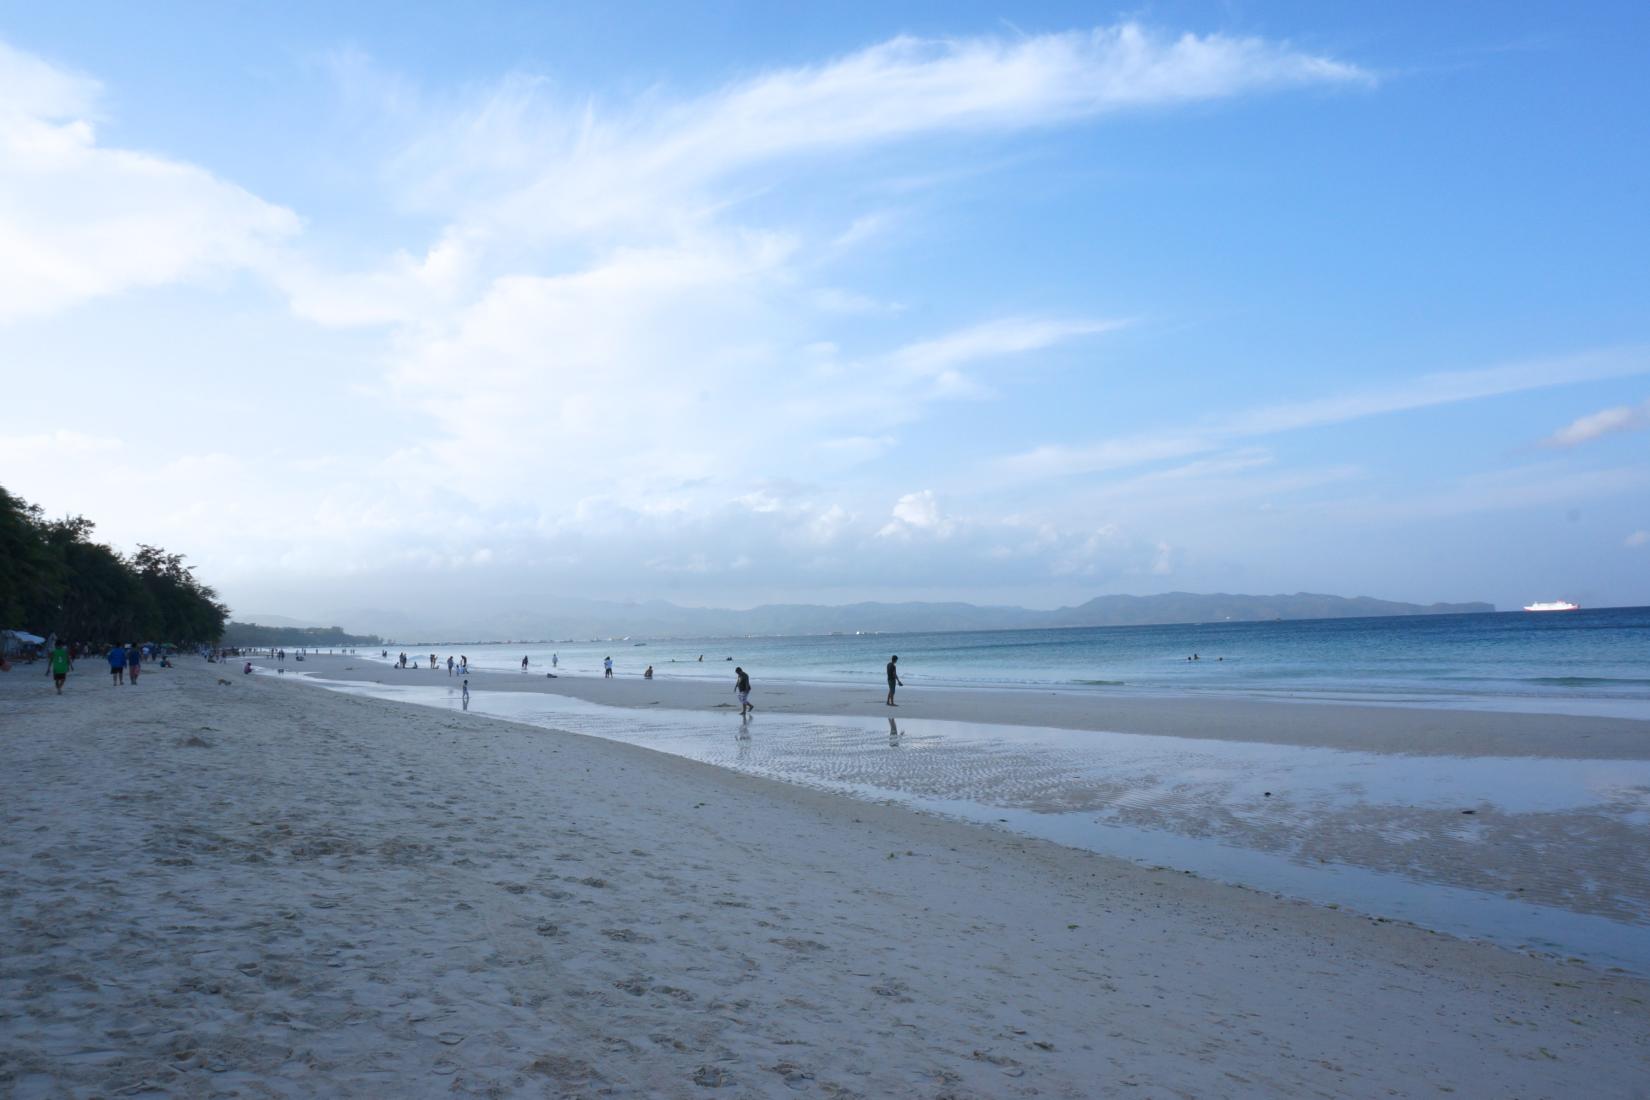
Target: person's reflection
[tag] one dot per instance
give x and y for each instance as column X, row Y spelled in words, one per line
column 893, row 734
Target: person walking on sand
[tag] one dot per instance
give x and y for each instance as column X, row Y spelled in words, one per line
column 893, row 679
column 465, row 698
column 742, row 685
column 607, row 668
column 61, row 666
column 450, row 663
column 134, row 661
column 555, row 659
column 117, row 665
column 524, row 664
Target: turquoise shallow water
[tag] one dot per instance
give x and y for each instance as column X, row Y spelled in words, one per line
column 1588, row 662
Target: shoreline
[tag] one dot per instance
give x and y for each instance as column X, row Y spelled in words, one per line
column 254, row 885
column 1441, row 841
column 1354, row 726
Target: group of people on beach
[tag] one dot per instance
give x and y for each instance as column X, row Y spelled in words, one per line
column 125, row 661
column 403, row 661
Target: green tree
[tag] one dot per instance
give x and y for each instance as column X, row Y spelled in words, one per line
column 55, row 578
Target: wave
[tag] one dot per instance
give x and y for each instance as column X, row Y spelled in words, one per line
column 1587, row 681
column 1102, row 683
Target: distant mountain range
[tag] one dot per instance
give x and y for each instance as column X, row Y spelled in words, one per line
column 659, row 619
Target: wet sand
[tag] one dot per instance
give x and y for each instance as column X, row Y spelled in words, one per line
column 1382, row 729
column 269, row 889
column 1534, row 853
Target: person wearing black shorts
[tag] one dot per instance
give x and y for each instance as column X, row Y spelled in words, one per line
column 893, row 679
column 61, row 665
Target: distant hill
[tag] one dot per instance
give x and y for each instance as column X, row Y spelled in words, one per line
column 657, row 619
column 312, row 637
column 273, row 620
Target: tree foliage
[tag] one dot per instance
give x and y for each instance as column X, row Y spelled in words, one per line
column 54, row 578
column 312, row 637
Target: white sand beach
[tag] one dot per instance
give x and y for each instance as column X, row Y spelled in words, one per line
column 260, row 888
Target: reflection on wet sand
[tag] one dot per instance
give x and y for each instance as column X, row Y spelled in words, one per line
column 1528, row 850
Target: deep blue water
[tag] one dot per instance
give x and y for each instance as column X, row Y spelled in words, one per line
column 1579, row 661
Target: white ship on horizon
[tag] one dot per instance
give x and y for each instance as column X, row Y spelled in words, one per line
column 1555, row 605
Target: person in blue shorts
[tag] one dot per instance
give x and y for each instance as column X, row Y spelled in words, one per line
column 117, row 664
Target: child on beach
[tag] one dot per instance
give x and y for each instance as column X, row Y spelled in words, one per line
column 607, row 668
column 134, row 661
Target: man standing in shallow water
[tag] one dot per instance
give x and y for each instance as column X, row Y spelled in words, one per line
column 893, row 679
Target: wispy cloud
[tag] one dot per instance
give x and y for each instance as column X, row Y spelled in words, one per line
column 991, row 340
column 80, row 220
column 1426, row 391
column 1529, row 486
column 583, row 167
column 1585, row 429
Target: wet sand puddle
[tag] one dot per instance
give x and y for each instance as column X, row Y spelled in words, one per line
column 1540, row 854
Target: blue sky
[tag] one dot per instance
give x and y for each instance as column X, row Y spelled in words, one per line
column 734, row 303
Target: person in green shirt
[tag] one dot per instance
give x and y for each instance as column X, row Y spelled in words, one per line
column 60, row 665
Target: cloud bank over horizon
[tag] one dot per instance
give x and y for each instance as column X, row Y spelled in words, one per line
column 859, row 326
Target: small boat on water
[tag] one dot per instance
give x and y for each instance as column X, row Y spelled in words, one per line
column 1555, row 605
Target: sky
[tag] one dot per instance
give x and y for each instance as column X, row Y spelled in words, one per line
column 476, row 307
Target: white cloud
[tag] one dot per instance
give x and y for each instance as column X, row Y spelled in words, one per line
column 1054, row 460
column 580, row 169
column 918, row 512
column 55, row 446
column 1622, row 418
column 940, row 357
column 600, row 317
column 605, row 355
column 32, row 88
column 1637, row 539
column 79, row 220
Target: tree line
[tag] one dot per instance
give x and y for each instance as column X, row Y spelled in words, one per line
column 252, row 635
column 55, row 578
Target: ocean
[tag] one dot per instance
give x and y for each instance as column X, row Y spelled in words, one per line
column 1575, row 662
